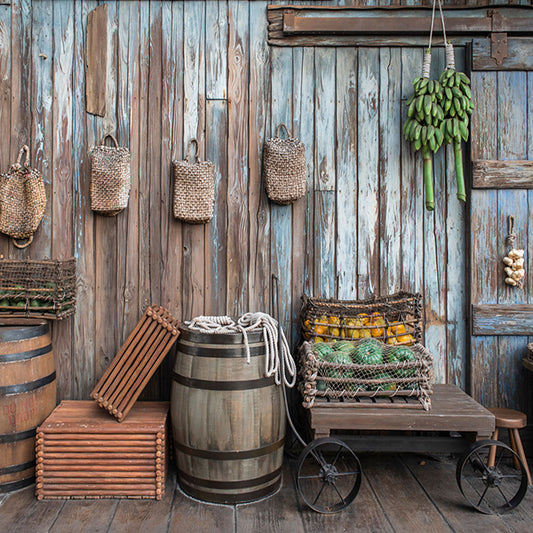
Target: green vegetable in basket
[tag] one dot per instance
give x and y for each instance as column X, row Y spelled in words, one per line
column 322, row 350
column 19, row 302
column 401, row 354
column 321, row 385
column 344, row 346
column 339, row 358
column 35, row 303
column 368, row 352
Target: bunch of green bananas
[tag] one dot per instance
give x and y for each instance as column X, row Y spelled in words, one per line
column 457, row 106
column 424, row 126
column 425, row 114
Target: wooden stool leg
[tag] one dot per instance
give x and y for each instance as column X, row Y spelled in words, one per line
column 512, row 441
column 492, row 451
column 521, row 454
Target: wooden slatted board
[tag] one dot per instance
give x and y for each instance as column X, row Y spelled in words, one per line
column 136, row 362
column 83, row 453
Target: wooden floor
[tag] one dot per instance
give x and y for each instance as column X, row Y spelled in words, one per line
column 399, row 493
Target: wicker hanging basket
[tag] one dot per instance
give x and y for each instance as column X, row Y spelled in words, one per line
column 22, row 200
column 284, row 168
column 110, row 178
column 194, row 187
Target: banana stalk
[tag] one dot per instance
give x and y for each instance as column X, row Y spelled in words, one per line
column 428, row 177
column 459, row 177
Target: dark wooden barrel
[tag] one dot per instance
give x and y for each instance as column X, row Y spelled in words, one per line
column 27, row 397
column 228, row 419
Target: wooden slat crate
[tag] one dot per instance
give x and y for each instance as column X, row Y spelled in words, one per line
column 81, row 452
column 136, row 362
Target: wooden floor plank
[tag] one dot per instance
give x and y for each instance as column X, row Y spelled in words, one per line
column 446, row 495
column 85, row 516
column 277, row 513
column 21, row 511
column 145, row 515
column 190, row 515
column 406, row 505
column 364, row 514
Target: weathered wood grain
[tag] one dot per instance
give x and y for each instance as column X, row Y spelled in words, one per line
column 502, row 319
column 238, row 128
column 346, row 159
column 368, row 171
column 259, row 124
column 502, row 174
column 5, row 88
column 96, row 61
column 519, row 55
column 216, row 61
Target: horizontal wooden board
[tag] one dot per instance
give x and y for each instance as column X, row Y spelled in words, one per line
column 502, row 319
column 519, row 54
column 502, row 174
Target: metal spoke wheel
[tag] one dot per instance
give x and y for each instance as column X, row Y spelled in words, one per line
column 492, row 477
column 328, row 475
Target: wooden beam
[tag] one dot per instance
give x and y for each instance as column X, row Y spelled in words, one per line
column 502, row 319
column 519, row 54
column 96, row 61
column 502, row 174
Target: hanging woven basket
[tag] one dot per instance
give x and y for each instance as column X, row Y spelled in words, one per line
column 22, row 200
column 194, row 187
column 110, row 178
column 284, row 168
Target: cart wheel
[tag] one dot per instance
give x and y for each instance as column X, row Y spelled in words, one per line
column 329, row 475
column 495, row 484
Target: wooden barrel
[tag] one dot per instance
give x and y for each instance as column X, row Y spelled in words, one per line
column 228, row 419
column 27, row 397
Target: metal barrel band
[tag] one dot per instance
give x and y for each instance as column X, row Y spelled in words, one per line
column 22, row 356
column 16, row 468
column 223, row 385
column 241, row 484
column 24, row 333
column 223, row 353
column 20, row 435
column 15, row 485
column 28, row 387
column 218, row 455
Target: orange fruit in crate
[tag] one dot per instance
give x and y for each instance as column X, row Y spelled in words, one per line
column 334, row 321
column 398, row 328
column 351, row 328
column 377, row 320
column 307, row 329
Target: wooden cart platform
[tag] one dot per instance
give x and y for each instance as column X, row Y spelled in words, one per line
column 454, row 421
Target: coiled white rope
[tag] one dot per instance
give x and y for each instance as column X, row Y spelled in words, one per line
column 280, row 365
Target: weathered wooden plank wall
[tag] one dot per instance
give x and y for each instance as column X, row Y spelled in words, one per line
column 203, row 69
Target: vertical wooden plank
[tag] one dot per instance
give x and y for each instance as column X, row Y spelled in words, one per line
column 96, row 63
column 325, row 175
column 216, row 45
column 302, row 211
column 456, row 275
column 41, row 120
column 483, row 237
column 62, row 181
column 171, row 59
column 216, row 151
column 368, row 182
column 259, row 124
column 143, row 280
column 5, row 83
column 512, row 144
column 194, row 127
column 412, row 202
column 238, row 222
column 390, row 137
column 281, row 215
column 347, row 196
column 434, row 251
column 83, row 225
column 529, row 268
column 106, row 244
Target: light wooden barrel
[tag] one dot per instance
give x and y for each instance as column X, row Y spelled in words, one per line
column 228, row 419
column 27, row 397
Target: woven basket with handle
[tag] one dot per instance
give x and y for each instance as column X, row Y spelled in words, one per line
column 284, row 168
column 110, row 178
column 22, row 200
column 194, row 187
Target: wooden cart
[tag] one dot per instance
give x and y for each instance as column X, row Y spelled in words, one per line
column 329, row 473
